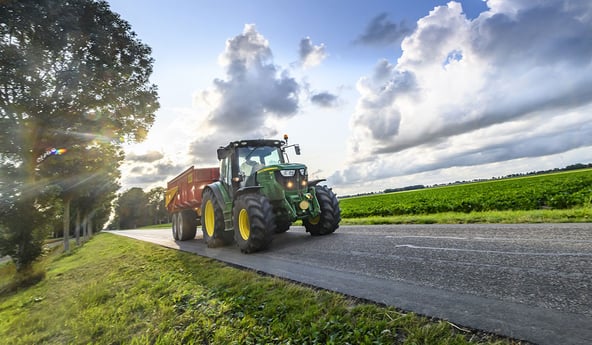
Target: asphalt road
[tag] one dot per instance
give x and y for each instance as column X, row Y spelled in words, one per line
column 531, row 282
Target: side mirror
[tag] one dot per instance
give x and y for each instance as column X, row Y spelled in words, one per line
column 222, row 153
column 297, row 149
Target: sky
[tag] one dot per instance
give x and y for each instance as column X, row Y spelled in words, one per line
column 379, row 94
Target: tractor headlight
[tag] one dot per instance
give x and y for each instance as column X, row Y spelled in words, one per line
column 288, row 173
column 292, row 179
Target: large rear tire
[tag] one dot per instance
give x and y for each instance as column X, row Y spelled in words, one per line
column 328, row 221
column 187, row 225
column 253, row 222
column 212, row 222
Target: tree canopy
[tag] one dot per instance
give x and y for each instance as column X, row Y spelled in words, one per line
column 74, row 85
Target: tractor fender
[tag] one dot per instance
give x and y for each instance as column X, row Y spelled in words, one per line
column 216, row 189
column 313, row 183
column 247, row 190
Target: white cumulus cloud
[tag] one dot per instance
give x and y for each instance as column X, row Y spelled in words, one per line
column 249, row 101
column 515, row 82
column 311, row 55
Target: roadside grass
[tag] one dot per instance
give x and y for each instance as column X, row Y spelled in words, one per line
column 116, row 290
column 11, row 281
column 574, row 215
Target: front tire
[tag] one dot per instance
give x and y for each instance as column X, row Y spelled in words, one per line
column 253, row 222
column 212, row 222
column 328, row 221
column 282, row 226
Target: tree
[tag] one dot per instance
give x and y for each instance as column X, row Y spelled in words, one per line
column 72, row 75
column 156, row 208
column 131, row 209
column 88, row 184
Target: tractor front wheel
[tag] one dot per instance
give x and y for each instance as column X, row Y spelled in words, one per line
column 282, row 226
column 212, row 222
column 253, row 222
column 328, row 221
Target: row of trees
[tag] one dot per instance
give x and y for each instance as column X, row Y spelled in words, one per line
column 74, row 86
column 135, row 208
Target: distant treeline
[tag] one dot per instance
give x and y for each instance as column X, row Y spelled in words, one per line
column 420, row 186
column 392, row 190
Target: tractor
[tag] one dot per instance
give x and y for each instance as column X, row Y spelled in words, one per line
column 259, row 193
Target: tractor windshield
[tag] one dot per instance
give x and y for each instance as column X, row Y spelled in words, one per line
column 253, row 158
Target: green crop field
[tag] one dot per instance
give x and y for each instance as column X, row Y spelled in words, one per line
column 564, row 190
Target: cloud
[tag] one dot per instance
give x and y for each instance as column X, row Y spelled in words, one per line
column 324, row 100
column 250, row 101
column 311, row 55
column 475, row 91
column 148, row 157
column 144, row 174
column 382, row 31
column 375, row 111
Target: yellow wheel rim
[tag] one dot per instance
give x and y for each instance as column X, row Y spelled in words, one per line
column 210, row 218
column 315, row 220
column 244, row 227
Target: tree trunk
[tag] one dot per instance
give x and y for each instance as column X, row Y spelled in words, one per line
column 67, row 200
column 77, row 231
column 85, row 228
column 89, row 226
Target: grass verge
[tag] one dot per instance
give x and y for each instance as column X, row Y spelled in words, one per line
column 575, row 215
column 115, row 290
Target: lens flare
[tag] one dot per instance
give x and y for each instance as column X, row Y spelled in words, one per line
column 58, row 152
column 51, row 152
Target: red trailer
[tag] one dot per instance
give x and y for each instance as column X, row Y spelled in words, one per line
column 183, row 199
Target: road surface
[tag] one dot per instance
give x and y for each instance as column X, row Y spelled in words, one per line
column 531, row 281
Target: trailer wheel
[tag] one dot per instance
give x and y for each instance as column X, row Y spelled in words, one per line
column 253, row 222
column 212, row 222
column 175, row 226
column 328, row 221
column 187, row 225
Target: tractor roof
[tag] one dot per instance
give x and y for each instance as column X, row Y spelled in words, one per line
column 224, row 151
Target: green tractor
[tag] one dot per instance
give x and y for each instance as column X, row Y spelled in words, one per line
column 259, row 193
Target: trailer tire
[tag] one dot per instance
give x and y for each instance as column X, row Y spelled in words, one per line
column 175, row 226
column 254, row 223
column 212, row 222
column 187, row 225
column 328, row 221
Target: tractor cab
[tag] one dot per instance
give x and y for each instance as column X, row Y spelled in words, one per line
column 240, row 161
column 254, row 158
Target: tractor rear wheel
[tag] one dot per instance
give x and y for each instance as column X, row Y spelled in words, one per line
column 186, row 225
column 328, row 221
column 212, row 222
column 253, row 222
